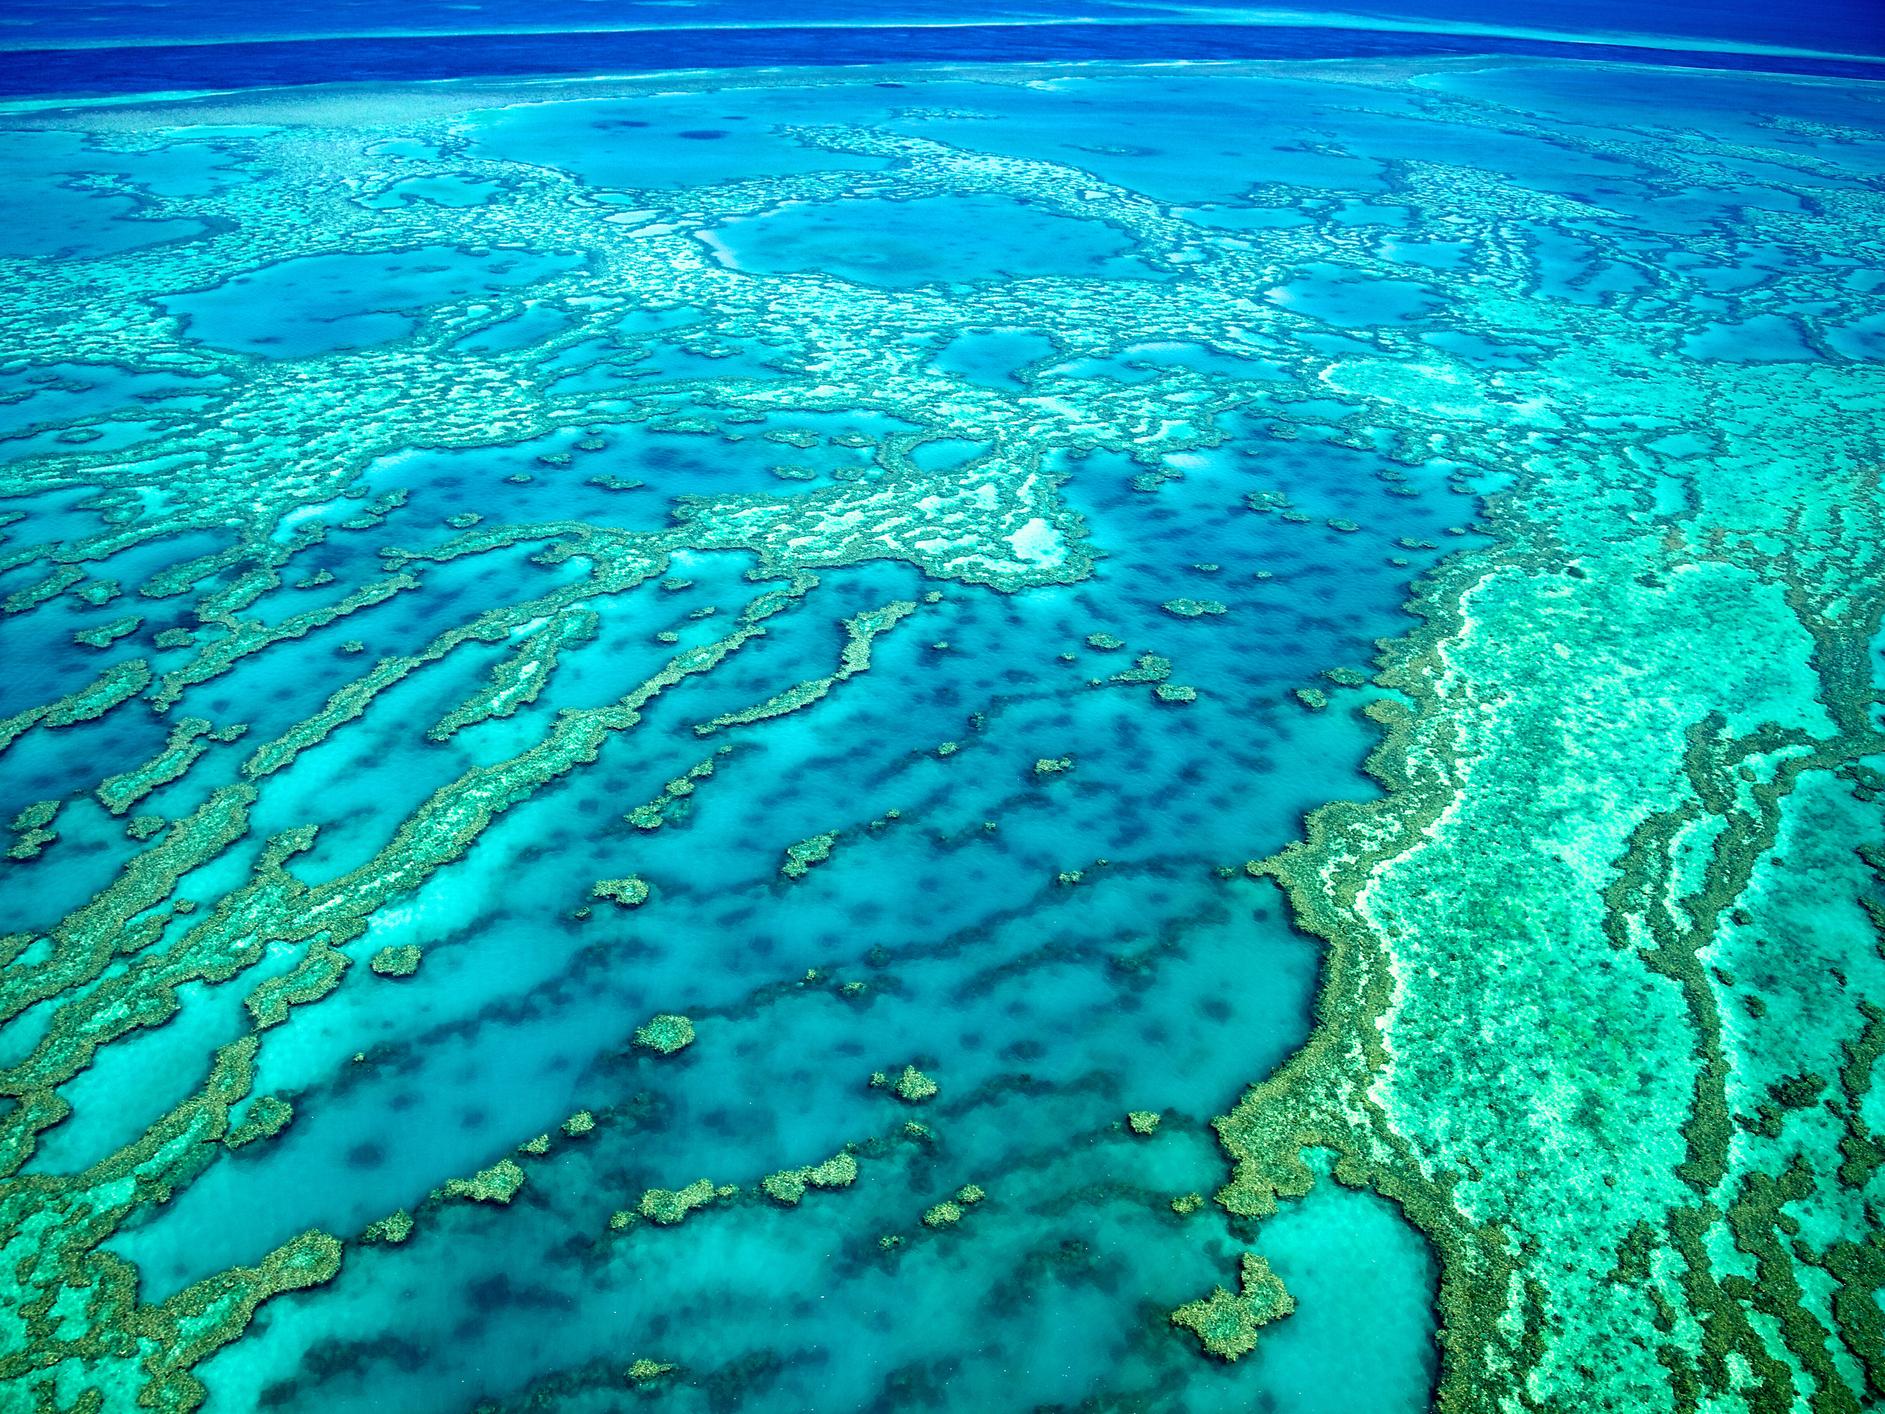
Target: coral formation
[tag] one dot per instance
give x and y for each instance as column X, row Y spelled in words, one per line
column 788, row 1186
column 666, row 1033
column 800, row 857
column 629, row 892
column 497, row 1184
column 910, row 1085
column 391, row 1230
column 668, row 1206
column 397, row 960
column 1226, row 1323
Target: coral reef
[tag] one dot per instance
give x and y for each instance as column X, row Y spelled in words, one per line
column 390, row 1230
column 1601, row 1006
column 1226, row 1323
column 788, row 1186
column 497, row 1184
column 800, row 857
column 910, row 1085
column 666, row 1033
column 629, row 892
column 668, row 1206
column 401, row 960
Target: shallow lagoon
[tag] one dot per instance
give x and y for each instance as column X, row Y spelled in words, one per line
column 946, row 240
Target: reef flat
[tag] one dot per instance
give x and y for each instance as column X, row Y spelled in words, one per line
column 658, row 737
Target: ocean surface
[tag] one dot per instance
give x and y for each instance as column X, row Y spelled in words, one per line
column 116, row 48
column 881, row 710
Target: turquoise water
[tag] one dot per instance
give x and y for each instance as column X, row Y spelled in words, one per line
column 932, row 529
column 939, row 240
column 336, row 303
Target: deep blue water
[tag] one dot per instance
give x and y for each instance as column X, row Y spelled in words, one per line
column 1846, row 26
column 126, row 48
